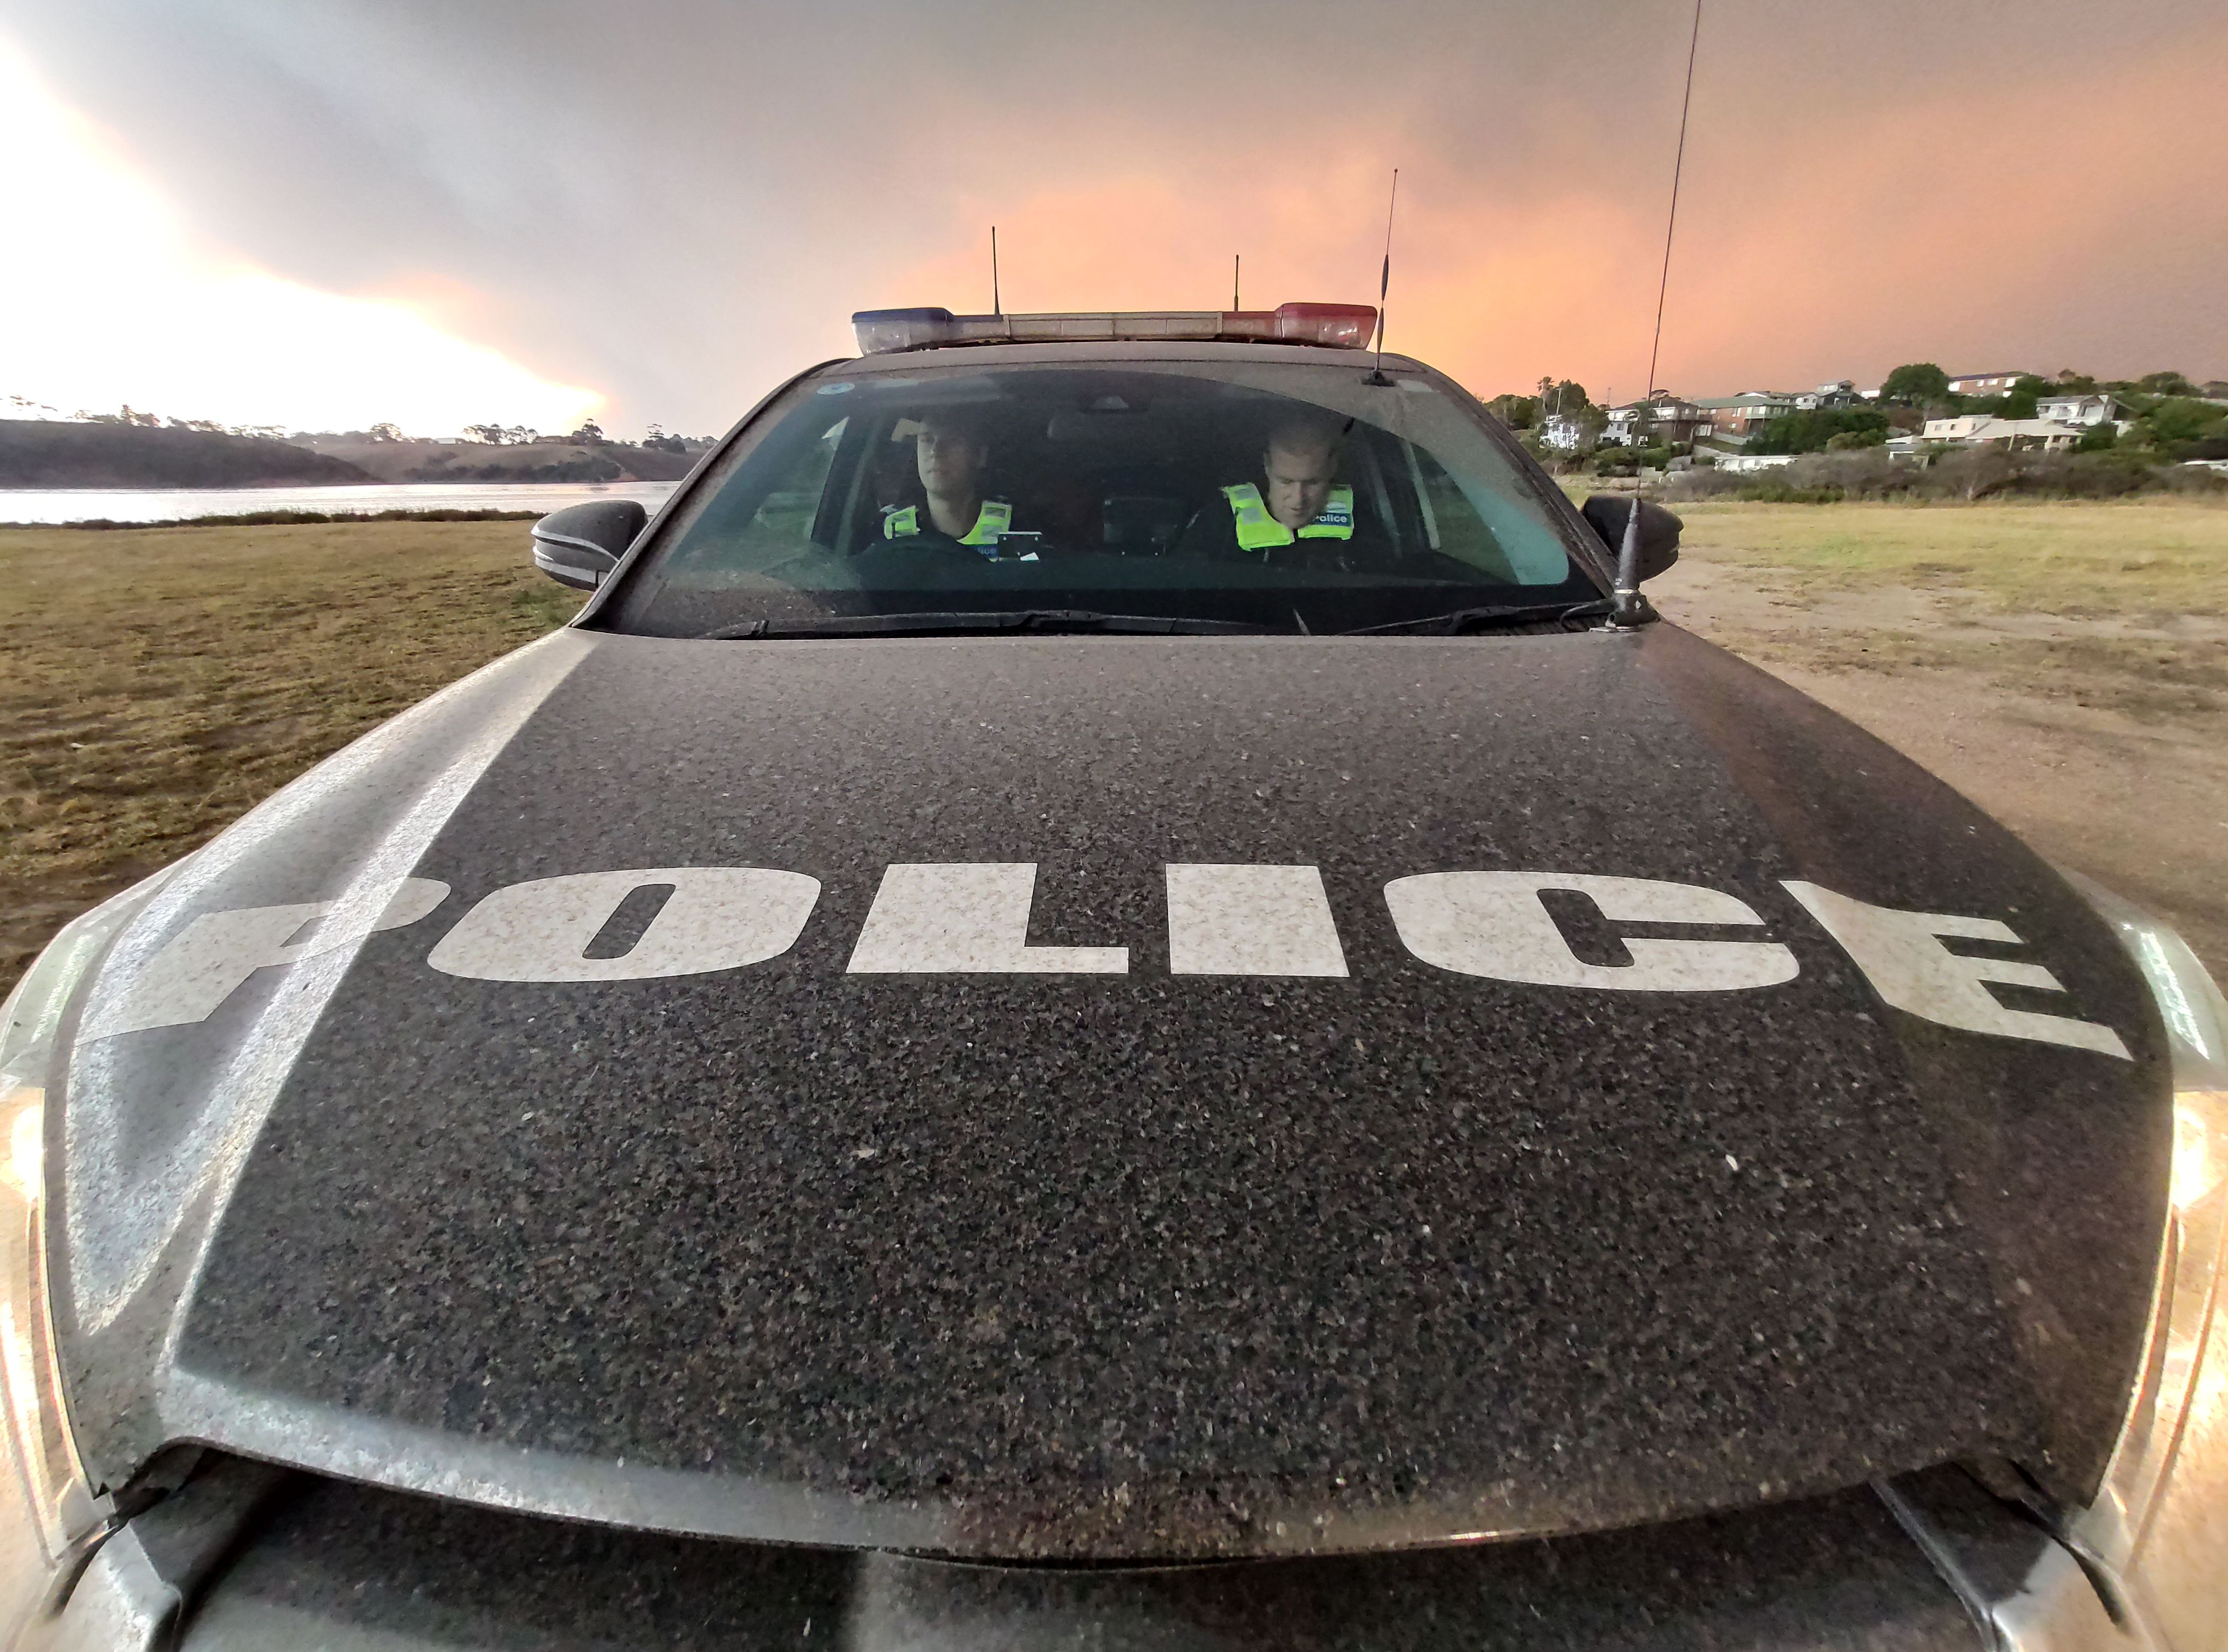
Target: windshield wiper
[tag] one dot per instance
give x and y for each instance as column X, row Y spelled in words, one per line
column 1040, row 621
column 1506, row 616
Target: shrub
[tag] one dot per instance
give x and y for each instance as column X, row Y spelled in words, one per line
column 2179, row 419
column 1965, row 474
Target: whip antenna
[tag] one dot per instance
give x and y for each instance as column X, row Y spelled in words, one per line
column 997, row 308
column 1385, row 280
column 1678, row 165
column 1627, row 608
column 1234, row 258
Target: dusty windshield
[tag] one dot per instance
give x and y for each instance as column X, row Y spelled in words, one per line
column 1292, row 497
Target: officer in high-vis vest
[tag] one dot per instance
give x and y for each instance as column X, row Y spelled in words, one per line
column 951, row 454
column 1299, row 511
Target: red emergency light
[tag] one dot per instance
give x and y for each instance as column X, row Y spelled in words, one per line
column 1341, row 326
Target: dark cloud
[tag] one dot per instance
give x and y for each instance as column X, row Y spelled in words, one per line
column 679, row 201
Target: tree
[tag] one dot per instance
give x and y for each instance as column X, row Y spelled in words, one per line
column 386, row 432
column 2179, row 419
column 588, row 435
column 1518, row 412
column 494, row 435
column 2165, row 384
column 1917, row 383
column 1810, row 432
column 2019, row 402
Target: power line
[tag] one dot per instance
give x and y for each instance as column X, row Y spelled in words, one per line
column 1677, row 166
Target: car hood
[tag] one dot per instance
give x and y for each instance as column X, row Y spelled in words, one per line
column 1096, row 1263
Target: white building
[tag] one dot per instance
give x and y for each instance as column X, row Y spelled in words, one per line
column 2092, row 409
column 1959, row 429
column 2016, row 435
column 1563, row 431
column 1985, row 384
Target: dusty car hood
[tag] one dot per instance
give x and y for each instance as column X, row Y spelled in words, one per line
column 1137, row 1263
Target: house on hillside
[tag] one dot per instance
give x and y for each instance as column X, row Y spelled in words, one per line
column 1664, row 419
column 1841, row 393
column 2013, row 435
column 1985, row 384
column 1563, row 431
column 2096, row 408
column 1958, row 429
column 1738, row 418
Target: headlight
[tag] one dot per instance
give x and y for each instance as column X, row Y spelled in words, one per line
column 2160, row 1524
column 49, row 1518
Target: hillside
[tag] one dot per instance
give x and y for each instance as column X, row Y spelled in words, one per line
column 36, row 453
column 555, row 460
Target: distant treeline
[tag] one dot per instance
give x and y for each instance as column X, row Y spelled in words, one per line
column 1966, row 476
column 292, row 518
column 37, row 453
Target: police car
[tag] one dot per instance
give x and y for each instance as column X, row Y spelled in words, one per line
column 1115, row 990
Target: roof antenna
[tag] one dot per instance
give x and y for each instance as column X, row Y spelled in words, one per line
column 1677, row 166
column 1384, row 281
column 1627, row 606
column 997, row 308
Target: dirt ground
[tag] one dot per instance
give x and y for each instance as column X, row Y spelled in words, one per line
column 2063, row 666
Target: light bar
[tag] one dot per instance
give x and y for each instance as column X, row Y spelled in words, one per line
column 1341, row 326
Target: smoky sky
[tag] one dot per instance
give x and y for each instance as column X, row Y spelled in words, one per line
column 680, row 202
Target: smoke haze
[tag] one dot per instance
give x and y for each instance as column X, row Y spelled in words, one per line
column 673, row 204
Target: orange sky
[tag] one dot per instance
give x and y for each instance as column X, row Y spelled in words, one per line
column 667, row 206
column 2048, row 220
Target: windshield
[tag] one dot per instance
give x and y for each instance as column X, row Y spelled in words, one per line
column 1285, row 498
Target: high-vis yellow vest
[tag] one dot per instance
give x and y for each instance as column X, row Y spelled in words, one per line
column 1259, row 531
column 994, row 519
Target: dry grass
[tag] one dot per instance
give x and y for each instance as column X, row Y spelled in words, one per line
column 2145, row 559
column 2064, row 664
column 160, row 682
column 2121, row 605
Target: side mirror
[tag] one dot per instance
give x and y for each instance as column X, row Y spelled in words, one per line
column 579, row 545
column 1607, row 513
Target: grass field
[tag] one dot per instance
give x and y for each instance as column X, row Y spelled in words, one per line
column 2145, row 558
column 2065, row 664
column 158, row 682
column 2117, row 605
